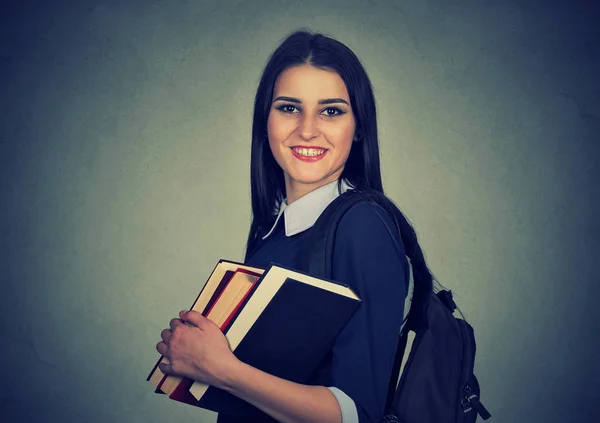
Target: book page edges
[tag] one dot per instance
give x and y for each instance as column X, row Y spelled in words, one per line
column 236, row 290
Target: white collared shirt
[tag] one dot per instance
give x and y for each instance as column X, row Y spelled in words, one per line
column 304, row 212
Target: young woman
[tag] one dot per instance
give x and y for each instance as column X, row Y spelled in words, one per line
column 314, row 136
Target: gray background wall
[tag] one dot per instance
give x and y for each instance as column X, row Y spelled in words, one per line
column 124, row 163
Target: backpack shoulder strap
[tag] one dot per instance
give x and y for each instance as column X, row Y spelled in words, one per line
column 319, row 256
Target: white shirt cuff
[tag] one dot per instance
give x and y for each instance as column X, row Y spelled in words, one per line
column 347, row 405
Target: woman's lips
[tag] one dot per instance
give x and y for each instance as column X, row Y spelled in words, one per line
column 309, row 159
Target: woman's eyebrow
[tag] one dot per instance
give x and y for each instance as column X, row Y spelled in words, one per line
column 325, row 101
column 290, row 99
column 333, row 101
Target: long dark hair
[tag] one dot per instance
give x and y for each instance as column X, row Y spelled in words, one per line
column 362, row 169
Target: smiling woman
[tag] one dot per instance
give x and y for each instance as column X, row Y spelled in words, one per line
column 314, row 136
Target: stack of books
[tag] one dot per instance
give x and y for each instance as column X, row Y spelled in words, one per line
column 276, row 319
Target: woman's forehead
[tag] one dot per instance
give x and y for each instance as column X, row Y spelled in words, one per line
column 307, row 82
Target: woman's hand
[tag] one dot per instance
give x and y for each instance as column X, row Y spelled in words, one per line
column 196, row 348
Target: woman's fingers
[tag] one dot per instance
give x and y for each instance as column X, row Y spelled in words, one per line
column 194, row 318
column 165, row 368
column 180, row 342
column 166, row 335
column 161, row 347
column 174, row 323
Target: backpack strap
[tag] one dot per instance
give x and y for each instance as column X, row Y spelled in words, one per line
column 319, row 259
column 395, row 375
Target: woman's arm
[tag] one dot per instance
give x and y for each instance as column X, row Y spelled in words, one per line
column 365, row 258
column 283, row 400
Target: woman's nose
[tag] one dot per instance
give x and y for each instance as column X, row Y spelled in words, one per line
column 308, row 128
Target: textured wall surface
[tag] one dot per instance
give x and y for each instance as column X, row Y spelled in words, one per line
column 124, row 176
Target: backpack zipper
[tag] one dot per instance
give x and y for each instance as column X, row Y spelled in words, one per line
column 470, row 402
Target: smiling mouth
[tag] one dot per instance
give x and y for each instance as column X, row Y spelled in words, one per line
column 309, row 152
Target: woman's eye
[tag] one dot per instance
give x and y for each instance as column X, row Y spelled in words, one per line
column 287, row 108
column 332, row 111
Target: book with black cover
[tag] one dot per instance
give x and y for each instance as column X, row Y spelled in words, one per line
column 287, row 325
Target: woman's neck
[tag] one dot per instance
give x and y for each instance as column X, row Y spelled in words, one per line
column 296, row 190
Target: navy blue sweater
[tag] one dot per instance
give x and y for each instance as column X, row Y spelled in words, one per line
column 366, row 259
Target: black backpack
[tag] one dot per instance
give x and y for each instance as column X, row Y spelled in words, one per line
column 437, row 383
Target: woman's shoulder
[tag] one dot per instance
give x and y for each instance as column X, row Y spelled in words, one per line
column 368, row 207
column 368, row 242
column 369, row 220
column 362, row 213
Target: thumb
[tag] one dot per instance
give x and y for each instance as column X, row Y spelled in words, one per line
column 192, row 317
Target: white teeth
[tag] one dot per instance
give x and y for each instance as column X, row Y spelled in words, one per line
column 309, row 152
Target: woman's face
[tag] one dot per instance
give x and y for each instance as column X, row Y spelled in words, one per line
column 310, row 127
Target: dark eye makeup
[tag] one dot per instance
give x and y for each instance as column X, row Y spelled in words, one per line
column 333, row 111
column 287, row 108
column 327, row 111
